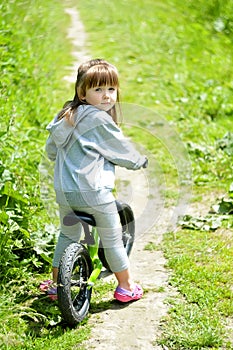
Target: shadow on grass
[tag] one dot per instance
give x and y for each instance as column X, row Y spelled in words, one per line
column 45, row 322
column 103, row 305
column 46, row 314
column 43, row 318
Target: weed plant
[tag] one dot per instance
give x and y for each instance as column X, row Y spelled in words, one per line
column 34, row 54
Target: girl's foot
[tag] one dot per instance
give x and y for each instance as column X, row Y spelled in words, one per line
column 50, row 288
column 126, row 296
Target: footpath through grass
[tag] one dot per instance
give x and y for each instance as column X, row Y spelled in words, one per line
column 175, row 60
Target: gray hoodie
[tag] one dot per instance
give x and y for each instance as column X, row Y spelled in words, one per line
column 85, row 155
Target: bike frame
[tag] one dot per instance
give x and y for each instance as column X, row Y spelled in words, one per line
column 96, row 262
column 82, row 262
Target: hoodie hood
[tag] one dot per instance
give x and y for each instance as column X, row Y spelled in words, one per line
column 61, row 130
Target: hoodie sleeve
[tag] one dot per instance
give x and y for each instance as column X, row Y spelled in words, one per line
column 109, row 141
column 51, row 149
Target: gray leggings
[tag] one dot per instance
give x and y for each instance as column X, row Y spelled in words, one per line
column 109, row 229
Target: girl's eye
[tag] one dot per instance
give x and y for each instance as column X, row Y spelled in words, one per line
column 99, row 89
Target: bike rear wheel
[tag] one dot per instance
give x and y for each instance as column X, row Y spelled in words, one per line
column 128, row 231
column 74, row 294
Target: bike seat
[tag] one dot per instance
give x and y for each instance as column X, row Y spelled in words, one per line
column 78, row 216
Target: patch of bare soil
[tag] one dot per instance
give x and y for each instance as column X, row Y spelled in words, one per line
column 135, row 325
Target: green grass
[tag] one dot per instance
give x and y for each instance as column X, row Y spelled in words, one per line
column 171, row 61
column 29, row 320
column 32, row 70
column 175, row 64
column 201, row 262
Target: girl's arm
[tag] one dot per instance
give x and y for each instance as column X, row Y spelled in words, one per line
column 109, row 141
column 51, row 148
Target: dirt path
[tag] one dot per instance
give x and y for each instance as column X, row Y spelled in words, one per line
column 137, row 325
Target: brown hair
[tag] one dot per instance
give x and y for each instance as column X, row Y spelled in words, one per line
column 93, row 73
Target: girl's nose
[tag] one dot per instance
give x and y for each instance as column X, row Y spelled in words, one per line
column 106, row 94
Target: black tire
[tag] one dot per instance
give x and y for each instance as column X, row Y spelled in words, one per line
column 73, row 293
column 128, row 231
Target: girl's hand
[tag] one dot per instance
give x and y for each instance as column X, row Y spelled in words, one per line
column 145, row 165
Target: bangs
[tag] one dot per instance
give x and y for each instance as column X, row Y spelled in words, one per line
column 101, row 75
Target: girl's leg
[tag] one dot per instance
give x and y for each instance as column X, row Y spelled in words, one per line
column 110, row 232
column 68, row 234
column 62, row 244
column 55, row 274
column 124, row 279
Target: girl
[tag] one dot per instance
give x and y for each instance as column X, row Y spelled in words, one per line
column 86, row 144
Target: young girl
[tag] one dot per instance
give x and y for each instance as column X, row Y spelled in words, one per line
column 86, row 144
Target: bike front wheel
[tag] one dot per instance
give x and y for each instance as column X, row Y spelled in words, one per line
column 74, row 294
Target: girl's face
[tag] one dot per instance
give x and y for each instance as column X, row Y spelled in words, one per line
column 102, row 97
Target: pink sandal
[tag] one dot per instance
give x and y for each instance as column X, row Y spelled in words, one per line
column 50, row 288
column 125, row 296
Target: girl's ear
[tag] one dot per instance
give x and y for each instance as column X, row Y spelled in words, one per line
column 82, row 98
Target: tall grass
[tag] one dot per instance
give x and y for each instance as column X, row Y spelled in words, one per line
column 33, row 56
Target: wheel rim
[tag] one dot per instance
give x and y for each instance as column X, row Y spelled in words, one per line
column 127, row 240
column 78, row 283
